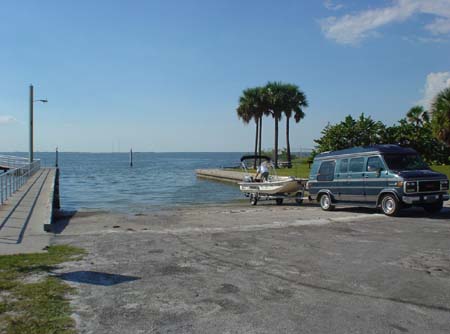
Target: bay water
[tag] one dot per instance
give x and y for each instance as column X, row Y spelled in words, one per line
column 105, row 181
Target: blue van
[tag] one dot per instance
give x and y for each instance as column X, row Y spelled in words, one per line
column 386, row 176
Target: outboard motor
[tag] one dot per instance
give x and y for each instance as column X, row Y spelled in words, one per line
column 248, row 178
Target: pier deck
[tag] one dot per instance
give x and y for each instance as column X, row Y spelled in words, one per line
column 23, row 216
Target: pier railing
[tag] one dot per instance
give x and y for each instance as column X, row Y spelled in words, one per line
column 18, row 171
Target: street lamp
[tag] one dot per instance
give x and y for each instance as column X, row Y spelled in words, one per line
column 32, row 100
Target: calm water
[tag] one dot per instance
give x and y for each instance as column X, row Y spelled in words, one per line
column 105, row 181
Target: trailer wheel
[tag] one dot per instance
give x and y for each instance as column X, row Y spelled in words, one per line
column 253, row 199
column 299, row 198
column 279, row 201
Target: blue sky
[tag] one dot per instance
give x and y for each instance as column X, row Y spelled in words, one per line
column 167, row 75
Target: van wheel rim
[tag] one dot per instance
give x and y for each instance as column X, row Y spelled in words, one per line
column 325, row 202
column 388, row 205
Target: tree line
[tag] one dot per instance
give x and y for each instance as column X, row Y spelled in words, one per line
column 275, row 99
column 428, row 132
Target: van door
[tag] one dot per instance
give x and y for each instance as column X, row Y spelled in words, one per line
column 355, row 189
column 325, row 176
column 374, row 179
column 341, row 180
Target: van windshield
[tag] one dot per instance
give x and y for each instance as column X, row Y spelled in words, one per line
column 405, row 162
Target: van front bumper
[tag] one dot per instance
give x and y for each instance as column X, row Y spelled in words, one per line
column 423, row 199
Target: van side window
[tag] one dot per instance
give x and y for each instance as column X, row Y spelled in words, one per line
column 356, row 165
column 374, row 164
column 326, row 171
column 343, row 168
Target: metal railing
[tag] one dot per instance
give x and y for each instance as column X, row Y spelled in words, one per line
column 19, row 172
column 12, row 162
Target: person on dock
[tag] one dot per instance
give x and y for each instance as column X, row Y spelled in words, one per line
column 263, row 171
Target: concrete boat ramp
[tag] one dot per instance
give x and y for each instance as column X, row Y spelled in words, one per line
column 220, row 175
column 25, row 214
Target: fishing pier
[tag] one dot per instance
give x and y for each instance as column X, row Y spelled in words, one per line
column 29, row 194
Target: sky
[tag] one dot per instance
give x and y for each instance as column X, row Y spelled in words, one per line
column 166, row 76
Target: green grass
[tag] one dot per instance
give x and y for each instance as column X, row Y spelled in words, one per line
column 445, row 169
column 31, row 301
column 300, row 169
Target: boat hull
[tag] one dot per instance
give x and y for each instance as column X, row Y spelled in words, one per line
column 281, row 186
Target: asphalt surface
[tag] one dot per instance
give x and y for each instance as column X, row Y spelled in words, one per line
column 264, row 269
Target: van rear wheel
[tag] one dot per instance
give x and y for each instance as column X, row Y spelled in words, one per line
column 325, row 203
column 390, row 205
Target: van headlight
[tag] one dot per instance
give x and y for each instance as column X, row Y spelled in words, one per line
column 410, row 187
column 444, row 185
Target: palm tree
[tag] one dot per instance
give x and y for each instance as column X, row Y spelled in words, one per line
column 418, row 116
column 277, row 104
column 252, row 106
column 440, row 112
column 245, row 111
column 295, row 104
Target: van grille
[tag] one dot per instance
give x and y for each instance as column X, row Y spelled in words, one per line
column 425, row 186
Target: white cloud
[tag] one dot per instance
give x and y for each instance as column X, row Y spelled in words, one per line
column 436, row 82
column 425, row 40
column 331, row 5
column 439, row 26
column 7, row 119
column 351, row 29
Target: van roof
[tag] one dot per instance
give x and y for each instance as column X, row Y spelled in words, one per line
column 376, row 149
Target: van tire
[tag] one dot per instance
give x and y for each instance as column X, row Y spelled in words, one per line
column 390, row 205
column 325, row 202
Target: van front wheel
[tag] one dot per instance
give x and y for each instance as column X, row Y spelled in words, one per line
column 325, row 203
column 390, row 205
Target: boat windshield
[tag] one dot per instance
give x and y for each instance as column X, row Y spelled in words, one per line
column 405, row 162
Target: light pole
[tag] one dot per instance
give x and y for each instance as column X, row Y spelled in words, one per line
column 32, row 100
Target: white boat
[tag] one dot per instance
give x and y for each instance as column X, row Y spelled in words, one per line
column 275, row 185
column 274, row 188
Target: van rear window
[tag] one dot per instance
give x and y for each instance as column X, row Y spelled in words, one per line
column 356, row 165
column 326, row 171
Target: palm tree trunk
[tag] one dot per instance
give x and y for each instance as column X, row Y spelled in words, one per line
column 256, row 141
column 288, row 145
column 276, row 143
column 260, row 138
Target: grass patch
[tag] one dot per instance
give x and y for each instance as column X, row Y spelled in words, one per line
column 300, row 168
column 31, row 301
column 444, row 169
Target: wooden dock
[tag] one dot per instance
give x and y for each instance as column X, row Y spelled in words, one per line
column 24, row 216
